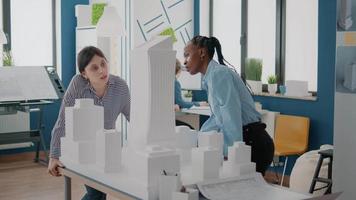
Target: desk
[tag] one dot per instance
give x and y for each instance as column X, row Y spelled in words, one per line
column 267, row 117
column 35, row 135
column 70, row 174
column 192, row 115
column 275, row 191
column 203, row 110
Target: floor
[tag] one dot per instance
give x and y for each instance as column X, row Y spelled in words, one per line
column 22, row 179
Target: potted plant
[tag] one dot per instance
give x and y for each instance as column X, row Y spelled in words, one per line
column 272, row 84
column 7, row 58
column 253, row 74
column 188, row 95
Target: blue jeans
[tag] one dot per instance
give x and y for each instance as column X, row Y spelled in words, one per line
column 93, row 194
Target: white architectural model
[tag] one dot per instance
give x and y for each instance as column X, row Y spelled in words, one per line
column 79, row 143
column 152, row 85
column 212, row 139
column 108, row 151
column 205, row 163
column 239, row 161
column 185, row 139
column 154, row 146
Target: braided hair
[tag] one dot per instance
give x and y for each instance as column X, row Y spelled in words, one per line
column 210, row 44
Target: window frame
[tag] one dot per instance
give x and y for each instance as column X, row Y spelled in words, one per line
column 280, row 51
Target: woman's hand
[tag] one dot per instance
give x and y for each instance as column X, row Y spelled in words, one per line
column 203, row 103
column 176, row 107
column 53, row 165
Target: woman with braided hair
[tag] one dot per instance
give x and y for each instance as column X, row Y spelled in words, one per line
column 232, row 106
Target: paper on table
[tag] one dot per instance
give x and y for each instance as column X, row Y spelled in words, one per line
column 248, row 187
column 199, row 108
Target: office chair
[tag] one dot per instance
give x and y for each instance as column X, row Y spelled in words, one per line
column 291, row 137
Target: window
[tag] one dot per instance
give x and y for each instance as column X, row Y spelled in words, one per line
column 283, row 33
column 228, row 32
column 301, row 50
column 31, row 33
column 261, row 40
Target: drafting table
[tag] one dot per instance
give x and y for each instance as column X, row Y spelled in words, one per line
column 28, row 89
column 256, row 187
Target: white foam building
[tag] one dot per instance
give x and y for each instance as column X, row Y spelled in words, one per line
column 108, row 151
column 212, row 139
column 185, row 140
column 83, row 121
column 154, row 144
column 205, row 163
column 151, row 133
column 239, row 161
column 86, row 141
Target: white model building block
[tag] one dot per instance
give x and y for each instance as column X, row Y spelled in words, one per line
column 108, row 151
column 83, row 15
column 239, row 160
column 152, row 86
column 169, row 183
column 147, row 165
column 230, row 169
column 82, row 152
column 205, row 163
column 186, row 137
column 83, row 120
column 190, row 194
column 239, row 153
column 212, row 139
column 185, row 140
column 350, row 77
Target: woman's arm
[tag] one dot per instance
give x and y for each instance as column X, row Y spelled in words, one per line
column 228, row 105
column 59, row 128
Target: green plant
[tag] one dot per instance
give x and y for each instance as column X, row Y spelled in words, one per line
column 97, row 12
column 7, row 58
column 253, row 69
column 170, row 32
column 272, row 79
column 188, row 94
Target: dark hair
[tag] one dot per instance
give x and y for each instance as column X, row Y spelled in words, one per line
column 85, row 56
column 210, row 44
column 178, row 66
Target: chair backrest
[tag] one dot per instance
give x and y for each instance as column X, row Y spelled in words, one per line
column 292, row 131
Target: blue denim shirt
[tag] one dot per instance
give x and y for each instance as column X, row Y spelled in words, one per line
column 231, row 103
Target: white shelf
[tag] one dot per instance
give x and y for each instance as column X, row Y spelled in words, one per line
column 307, row 98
